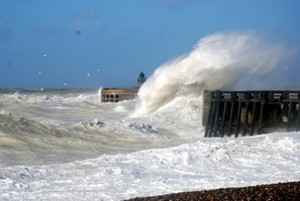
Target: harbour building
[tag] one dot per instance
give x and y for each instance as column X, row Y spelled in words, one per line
column 120, row 94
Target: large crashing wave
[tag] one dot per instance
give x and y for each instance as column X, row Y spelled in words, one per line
column 220, row 61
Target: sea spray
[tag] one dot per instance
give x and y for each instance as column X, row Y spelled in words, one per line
column 220, row 61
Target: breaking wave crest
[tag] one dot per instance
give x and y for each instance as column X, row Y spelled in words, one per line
column 219, row 61
column 49, row 96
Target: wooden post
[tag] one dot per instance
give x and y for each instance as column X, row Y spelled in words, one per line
column 260, row 117
column 230, row 119
column 208, row 121
column 212, row 119
column 215, row 128
column 238, row 120
column 289, row 116
column 246, row 118
column 253, row 118
column 223, row 118
column 298, row 119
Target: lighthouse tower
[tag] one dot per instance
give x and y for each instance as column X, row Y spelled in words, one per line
column 141, row 79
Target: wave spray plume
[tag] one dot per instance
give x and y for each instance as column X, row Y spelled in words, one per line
column 219, row 61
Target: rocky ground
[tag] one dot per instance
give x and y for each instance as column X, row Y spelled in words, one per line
column 282, row 191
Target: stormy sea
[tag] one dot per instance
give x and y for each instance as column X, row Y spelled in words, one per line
column 65, row 144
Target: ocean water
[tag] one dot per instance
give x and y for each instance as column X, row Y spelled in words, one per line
column 64, row 125
column 65, row 144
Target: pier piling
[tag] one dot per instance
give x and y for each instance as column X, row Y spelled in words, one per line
column 242, row 113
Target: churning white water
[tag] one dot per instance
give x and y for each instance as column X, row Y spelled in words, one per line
column 64, row 144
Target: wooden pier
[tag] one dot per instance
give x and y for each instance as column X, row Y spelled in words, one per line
column 241, row 113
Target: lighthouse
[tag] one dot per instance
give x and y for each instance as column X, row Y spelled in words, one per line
column 141, row 79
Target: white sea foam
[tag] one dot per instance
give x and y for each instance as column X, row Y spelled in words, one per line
column 205, row 164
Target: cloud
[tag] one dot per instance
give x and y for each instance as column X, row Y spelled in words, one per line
column 5, row 32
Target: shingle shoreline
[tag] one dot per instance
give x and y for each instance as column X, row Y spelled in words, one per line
column 289, row 191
